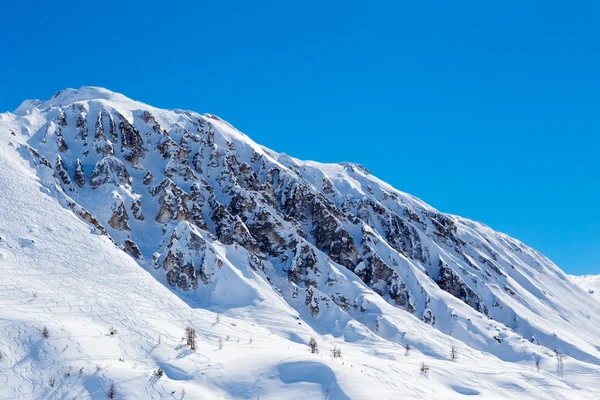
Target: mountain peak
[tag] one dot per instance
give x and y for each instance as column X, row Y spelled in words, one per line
column 68, row 96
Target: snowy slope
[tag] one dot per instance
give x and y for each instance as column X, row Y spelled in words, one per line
column 115, row 213
column 589, row 283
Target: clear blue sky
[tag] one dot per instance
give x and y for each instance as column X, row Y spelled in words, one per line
column 489, row 111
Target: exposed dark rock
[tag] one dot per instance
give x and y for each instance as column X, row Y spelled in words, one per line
column 79, row 174
column 172, row 202
column 119, row 218
column 148, row 178
column 61, row 170
column 452, row 283
column 82, row 125
column 428, row 317
column 132, row 249
column 312, row 302
column 109, row 170
column 136, row 209
column 60, row 142
column 61, row 119
column 303, row 269
column 131, row 141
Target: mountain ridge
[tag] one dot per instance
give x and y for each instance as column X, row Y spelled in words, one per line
column 226, row 225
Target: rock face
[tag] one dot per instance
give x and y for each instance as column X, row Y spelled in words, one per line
column 452, row 283
column 79, row 174
column 133, row 250
column 109, row 170
column 119, row 217
column 200, row 191
column 61, row 170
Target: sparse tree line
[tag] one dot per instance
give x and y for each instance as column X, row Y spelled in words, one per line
column 190, row 339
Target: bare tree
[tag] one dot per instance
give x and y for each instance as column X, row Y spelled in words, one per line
column 424, row 368
column 112, row 391
column 182, row 393
column 191, row 337
column 52, row 381
column 218, row 319
column 559, row 357
column 220, row 343
column 337, row 353
column 250, row 341
column 45, row 332
column 559, row 362
column 453, row 353
column 312, row 344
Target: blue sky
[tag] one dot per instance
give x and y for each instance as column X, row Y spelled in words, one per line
column 489, row 111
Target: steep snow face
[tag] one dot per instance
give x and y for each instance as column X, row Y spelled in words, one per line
column 229, row 226
column 589, row 283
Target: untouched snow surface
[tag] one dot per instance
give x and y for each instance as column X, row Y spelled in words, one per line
column 58, row 272
column 589, row 283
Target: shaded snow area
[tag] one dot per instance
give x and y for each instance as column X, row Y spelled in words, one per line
column 162, row 254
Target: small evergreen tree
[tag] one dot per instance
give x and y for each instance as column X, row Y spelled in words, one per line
column 45, row 332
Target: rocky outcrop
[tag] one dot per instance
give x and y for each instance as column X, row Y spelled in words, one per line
column 61, row 171
column 452, row 283
column 303, row 269
column 428, row 317
column 148, row 178
column 81, row 124
column 131, row 141
column 109, row 170
column 136, row 209
column 172, row 201
column 186, row 258
column 101, row 143
column 131, row 248
column 61, row 144
column 119, row 217
column 79, row 174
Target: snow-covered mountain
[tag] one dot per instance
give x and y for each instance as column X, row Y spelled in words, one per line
column 116, row 213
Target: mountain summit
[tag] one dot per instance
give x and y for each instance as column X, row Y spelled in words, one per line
column 118, row 213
